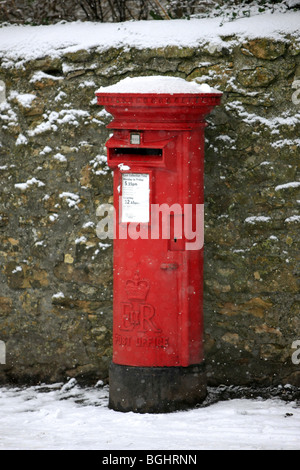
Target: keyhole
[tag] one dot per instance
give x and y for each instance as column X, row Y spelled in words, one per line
column 175, row 240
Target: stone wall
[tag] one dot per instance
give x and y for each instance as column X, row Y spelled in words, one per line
column 56, row 275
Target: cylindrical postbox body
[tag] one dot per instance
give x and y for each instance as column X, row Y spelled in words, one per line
column 157, row 154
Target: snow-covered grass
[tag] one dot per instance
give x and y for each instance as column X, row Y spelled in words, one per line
column 230, row 11
column 67, row 416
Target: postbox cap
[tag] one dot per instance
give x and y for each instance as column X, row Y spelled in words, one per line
column 157, row 102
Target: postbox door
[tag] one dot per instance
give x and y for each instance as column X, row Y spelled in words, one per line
column 157, row 282
column 146, row 301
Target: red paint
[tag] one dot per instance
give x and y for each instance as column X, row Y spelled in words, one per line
column 158, row 283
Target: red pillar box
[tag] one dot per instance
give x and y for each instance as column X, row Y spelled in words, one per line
column 157, row 154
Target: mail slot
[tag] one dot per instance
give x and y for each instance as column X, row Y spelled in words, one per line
column 130, row 152
column 157, row 155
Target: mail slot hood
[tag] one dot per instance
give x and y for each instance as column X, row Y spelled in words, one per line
column 152, row 151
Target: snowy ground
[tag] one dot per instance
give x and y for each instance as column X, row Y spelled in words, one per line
column 69, row 417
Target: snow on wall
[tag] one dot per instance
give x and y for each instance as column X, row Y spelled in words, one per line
column 17, row 43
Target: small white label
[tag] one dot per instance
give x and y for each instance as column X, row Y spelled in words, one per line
column 135, row 139
column 135, row 198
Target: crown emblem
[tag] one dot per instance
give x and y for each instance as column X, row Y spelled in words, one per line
column 137, row 288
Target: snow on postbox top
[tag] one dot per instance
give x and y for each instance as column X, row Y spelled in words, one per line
column 157, row 102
